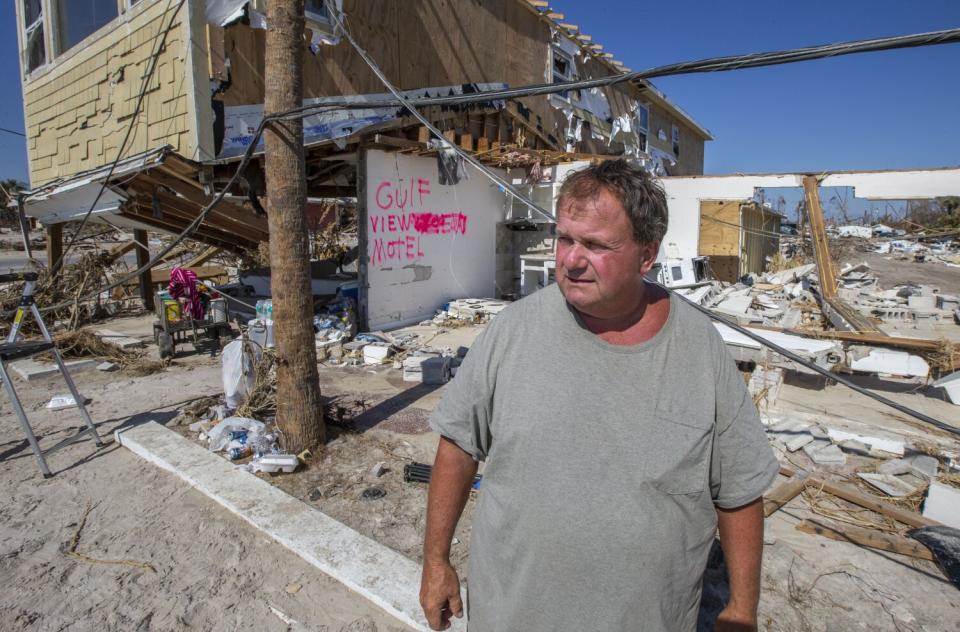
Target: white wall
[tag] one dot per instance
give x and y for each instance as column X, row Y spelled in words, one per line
column 426, row 243
column 683, row 203
column 684, row 194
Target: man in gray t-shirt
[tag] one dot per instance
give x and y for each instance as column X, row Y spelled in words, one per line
column 618, row 435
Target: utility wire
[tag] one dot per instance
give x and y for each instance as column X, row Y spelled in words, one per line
column 819, row 369
column 10, row 131
column 161, row 44
column 713, row 64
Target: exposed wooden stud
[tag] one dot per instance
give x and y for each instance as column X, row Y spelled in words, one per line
column 584, row 38
column 540, row 4
column 423, row 135
column 596, row 48
column 450, row 135
column 570, row 27
column 143, row 256
column 483, row 144
column 466, row 142
column 821, row 251
column 553, row 15
column 608, row 56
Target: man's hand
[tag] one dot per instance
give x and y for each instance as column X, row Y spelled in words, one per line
column 733, row 620
column 440, row 594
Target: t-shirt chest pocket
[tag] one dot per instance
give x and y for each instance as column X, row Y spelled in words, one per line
column 676, row 444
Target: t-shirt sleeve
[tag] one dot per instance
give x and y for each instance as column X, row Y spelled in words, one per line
column 465, row 411
column 743, row 464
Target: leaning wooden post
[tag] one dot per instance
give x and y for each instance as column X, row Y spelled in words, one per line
column 143, row 256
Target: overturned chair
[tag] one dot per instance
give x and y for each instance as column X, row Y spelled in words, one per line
column 11, row 350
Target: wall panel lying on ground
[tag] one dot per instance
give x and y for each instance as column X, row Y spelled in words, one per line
column 425, row 243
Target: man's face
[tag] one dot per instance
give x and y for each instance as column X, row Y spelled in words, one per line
column 600, row 267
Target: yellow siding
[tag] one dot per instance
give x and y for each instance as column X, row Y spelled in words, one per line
column 78, row 109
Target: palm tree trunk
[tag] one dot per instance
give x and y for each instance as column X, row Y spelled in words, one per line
column 299, row 407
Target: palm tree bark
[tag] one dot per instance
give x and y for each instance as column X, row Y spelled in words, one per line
column 299, row 407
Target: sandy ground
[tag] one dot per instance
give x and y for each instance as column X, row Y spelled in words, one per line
column 212, row 571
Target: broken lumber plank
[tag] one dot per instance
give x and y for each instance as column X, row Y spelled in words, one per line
column 855, row 496
column 203, row 257
column 870, row 538
column 118, row 251
column 821, row 251
column 538, row 3
column 783, row 493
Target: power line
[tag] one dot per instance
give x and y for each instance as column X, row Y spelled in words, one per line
column 712, row 64
column 11, row 131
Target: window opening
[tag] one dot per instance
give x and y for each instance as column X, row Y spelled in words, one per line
column 35, row 50
column 77, row 19
column 643, row 125
column 316, row 11
column 676, row 141
column 564, row 69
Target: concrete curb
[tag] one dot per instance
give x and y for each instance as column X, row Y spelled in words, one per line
column 382, row 575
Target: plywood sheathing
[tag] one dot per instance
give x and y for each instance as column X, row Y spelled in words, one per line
column 432, row 43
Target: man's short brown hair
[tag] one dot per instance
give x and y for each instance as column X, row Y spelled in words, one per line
column 642, row 197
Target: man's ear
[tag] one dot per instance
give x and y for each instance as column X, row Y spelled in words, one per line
column 648, row 255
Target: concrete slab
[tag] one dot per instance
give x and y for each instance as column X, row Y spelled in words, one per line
column 30, row 370
column 115, row 338
column 382, row 575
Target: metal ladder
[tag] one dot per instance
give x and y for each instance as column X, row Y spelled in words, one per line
column 13, row 350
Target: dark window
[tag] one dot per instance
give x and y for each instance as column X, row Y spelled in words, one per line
column 676, row 142
column 316, row 10
column 76, row 19
column 676, row 272
column 35, row 50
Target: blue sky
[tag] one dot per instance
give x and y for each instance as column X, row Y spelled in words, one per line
column 885, row 110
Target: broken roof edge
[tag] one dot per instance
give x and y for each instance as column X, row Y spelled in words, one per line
column 647, row 88
column 587, row 47
column 126, row 166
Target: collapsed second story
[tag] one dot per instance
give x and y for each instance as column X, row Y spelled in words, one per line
column 85, row 65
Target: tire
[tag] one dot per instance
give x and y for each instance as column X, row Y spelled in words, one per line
column 165, row 342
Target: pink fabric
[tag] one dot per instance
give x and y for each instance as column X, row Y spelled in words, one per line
column 183, row 282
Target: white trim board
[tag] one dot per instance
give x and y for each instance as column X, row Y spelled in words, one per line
column 385, row 577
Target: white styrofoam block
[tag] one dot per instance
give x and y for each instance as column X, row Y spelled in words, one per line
column 943, row 504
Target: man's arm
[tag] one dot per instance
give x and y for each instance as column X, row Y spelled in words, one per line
column 450, row 482
column 741, row 536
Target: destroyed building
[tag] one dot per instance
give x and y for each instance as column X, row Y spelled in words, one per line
column 186, row 80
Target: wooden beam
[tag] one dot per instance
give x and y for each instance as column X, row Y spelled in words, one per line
column 870, row 538
column 584, row 38
column 203, row 257
column 570, row 27
column 783, row 493
column 553, row 15
column 821, row 250
column 143, row 256
column 119, row 250
column 541, row 4
column 399, row 143
column 855, row 496
column 466, row 142
column 55, row 248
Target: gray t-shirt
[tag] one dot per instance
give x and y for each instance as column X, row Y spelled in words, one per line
column 604, row 467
